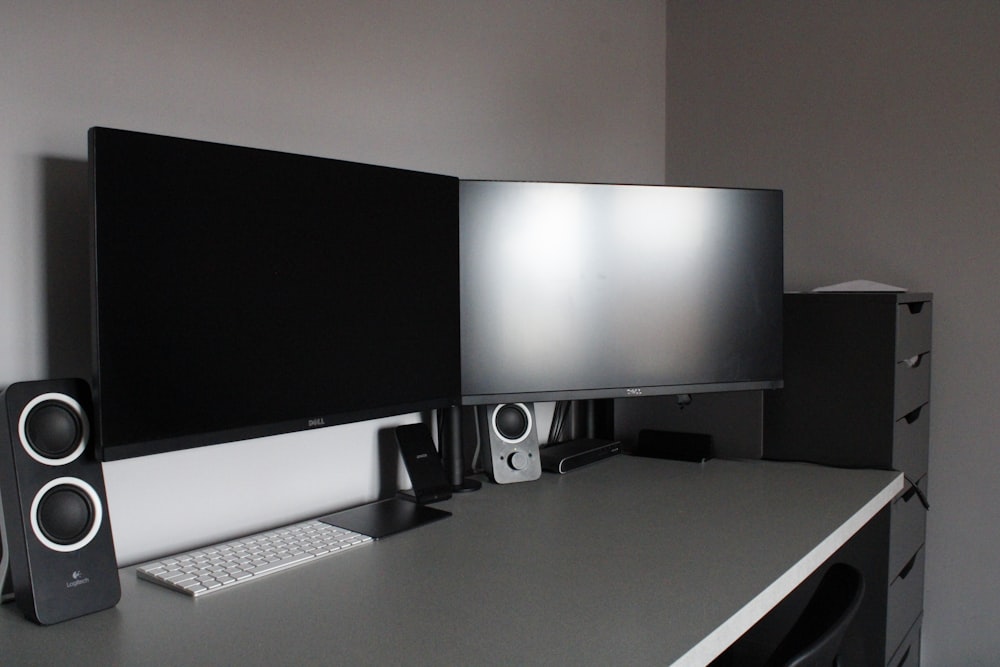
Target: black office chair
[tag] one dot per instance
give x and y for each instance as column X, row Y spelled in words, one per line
column 815, row 638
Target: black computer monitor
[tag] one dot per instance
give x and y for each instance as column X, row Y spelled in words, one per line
column 240, row 292
column 583, row 291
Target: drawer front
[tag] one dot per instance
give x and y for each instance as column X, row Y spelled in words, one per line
column 907, row 654
column 907, row 527
column 913, row 385
column 913, row 329
column 906, row 599
column 910, row 437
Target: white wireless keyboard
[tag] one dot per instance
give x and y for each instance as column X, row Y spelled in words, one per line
column 224, row 565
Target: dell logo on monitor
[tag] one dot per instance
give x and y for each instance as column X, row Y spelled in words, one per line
column 317, row 422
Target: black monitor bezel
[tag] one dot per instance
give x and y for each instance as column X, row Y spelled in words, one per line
column 332, row 417
column 556, row 393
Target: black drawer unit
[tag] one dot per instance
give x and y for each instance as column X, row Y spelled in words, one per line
column 908, row 518
column 857, row 374
column 908, row 653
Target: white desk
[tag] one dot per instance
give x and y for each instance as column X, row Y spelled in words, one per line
column 628, row 561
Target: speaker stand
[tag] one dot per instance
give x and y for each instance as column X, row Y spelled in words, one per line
column 6, row 587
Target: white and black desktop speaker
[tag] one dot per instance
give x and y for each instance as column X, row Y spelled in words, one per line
column 509, row 440
column 55, row 517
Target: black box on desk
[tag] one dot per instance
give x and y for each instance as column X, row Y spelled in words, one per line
column 674, row 445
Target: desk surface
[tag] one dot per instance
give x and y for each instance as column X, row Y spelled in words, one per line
column 628, row 561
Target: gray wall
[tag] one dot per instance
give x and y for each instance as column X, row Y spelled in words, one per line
column 877, row 119
column 474, row 88
column 881, row 121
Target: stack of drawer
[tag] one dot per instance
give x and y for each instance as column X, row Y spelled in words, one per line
column 857, row 394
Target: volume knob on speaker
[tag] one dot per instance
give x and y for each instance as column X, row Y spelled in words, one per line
column 518, row 460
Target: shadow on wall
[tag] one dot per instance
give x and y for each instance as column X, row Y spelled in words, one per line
column 66, row 211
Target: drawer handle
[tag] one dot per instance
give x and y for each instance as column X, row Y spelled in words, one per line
column 908, row 567
column 913, row 416
column 915, row 360
column 915, row 307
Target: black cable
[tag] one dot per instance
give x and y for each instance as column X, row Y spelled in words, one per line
column 558, row 422
column 474, row 463
column 906, row 478
column 920, row 494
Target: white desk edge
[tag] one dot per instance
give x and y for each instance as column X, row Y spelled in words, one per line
column 722, row 637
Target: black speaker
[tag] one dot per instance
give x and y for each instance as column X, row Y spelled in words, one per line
column 55, row 516
column 509, row 439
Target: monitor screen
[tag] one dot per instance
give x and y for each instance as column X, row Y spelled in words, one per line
column 240, row 292
column 573, row 291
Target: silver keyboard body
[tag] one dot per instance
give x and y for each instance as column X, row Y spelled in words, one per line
column 224, row 565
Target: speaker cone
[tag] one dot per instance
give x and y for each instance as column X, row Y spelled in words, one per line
column 53, row 429
column 512, row 422
column 66, row 514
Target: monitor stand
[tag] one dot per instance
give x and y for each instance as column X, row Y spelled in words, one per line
column 452, row 453
column 384, row 517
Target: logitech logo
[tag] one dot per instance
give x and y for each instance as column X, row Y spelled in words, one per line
column 78, row 579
